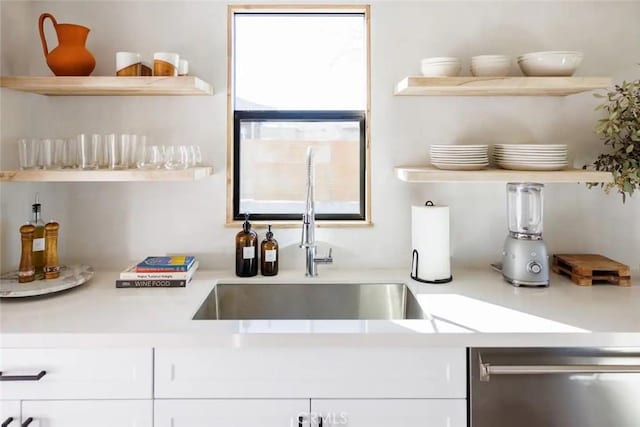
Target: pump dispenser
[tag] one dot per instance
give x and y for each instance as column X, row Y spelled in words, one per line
column 246, row 250
column 38, row 238
column 269, row 255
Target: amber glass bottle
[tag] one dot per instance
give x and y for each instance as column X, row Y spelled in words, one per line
column 246, row 250
column 269, row 255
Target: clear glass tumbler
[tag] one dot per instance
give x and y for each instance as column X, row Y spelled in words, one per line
column 58, row 153
column 88, row 150
column 71, row 154
column 175, row 157
column 45, row 159
column 28, row 153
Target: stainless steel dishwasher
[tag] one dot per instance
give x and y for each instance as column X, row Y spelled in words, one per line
column 554, row 387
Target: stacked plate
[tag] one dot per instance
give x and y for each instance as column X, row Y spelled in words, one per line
column 460, row 157
column 531, row 157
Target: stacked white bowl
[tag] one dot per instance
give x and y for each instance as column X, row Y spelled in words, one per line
column 550, row 63
column 490, row 65
column 442, row 66
column 460, row 157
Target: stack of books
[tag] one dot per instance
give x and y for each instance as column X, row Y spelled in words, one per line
column 159, row 272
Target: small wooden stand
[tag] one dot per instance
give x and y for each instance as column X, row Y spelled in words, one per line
column 587, row 269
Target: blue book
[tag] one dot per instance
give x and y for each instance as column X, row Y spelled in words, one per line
column 158, row 264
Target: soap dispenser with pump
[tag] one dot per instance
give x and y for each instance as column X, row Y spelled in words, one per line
column 246, row 250
column 269, row 255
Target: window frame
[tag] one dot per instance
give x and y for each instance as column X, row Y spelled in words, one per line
column 233, row 217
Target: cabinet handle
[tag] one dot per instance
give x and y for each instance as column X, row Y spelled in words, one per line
column 35, row 377
column 27, row 422
column 320, row 421
column 300, row 420
column 7, row 422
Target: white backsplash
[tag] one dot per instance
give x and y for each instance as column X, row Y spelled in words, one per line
column 108, row 224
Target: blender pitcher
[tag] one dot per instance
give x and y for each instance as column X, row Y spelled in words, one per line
column 524, row 210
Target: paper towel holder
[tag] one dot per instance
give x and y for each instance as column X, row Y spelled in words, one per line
column 414, row 264
column 414, row 276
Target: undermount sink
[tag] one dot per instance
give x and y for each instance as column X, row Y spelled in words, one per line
column 368, row 301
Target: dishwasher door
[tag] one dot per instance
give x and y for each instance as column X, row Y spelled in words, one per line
column 554, row 387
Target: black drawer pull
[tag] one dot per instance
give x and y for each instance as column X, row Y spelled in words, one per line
column 300, row 420
column 27, row 422
column 36, row 377
column 7, row 422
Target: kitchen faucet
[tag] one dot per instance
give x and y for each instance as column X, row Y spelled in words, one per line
column 308, row 241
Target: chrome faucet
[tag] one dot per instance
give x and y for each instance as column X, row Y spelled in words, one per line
column 308, row 240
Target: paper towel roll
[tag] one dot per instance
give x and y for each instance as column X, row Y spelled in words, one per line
column 430, row 241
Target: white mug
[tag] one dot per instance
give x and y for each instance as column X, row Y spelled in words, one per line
column 183, row 68
column 165, row 64
column 128, row 64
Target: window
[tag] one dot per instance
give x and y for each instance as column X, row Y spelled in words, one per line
column 298, row 78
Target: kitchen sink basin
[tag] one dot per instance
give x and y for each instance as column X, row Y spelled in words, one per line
column 310, row 301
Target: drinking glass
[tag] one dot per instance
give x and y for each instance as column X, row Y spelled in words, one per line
column 196, row 154
column 113, row 153
column 124, row 151
column 88, row 149
column 58, row 153
column 28, row 153
column 45, row 159
column 70, row 154
column 134, row 140
column 175, row 157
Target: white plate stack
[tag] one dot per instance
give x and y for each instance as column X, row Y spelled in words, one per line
column 460, row 157
column 531, row 157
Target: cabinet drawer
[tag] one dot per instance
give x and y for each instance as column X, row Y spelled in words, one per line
column 231, row 413
column 310, row 372
column 85, row 413
column 390, row 412
column 9, row 413
column 76, row 373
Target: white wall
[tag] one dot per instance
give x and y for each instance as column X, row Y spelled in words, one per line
column 108, row 224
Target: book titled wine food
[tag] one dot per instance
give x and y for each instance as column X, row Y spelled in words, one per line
column 164, row 274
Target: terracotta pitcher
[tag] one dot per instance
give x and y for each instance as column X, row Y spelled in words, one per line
column 70, row 57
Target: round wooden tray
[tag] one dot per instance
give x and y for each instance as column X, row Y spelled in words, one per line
column 70, row 277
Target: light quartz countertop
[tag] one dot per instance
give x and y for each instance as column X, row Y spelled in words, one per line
column 477, row 309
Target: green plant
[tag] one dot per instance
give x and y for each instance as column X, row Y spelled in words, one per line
column 620, row 130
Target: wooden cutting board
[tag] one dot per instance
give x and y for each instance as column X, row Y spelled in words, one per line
column 585, row 269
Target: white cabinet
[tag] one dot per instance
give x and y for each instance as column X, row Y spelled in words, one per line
column 9, row 413
column 376, row 372
column 389, row 412
column 231, row 413
column 88, row 413
column 76, row 373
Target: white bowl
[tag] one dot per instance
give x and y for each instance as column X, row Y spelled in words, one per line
column 550, row 63
column 437, row 59
column 490, row 59
column 494, row 70
column 447, row 68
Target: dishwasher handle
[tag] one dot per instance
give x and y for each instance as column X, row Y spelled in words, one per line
column 487, row 369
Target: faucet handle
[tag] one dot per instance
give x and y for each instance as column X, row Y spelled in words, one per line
column 329, row 257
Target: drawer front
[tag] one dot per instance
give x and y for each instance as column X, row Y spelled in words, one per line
column 89, row 413
column 231, row 413
column 311, row 372
column 76, row 373
column 390, row 412
column 9, row 413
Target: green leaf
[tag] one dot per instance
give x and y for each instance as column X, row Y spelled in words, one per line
column 630, row 149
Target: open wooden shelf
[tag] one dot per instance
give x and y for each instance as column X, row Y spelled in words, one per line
column 499, row 86
column 105, row 175
column 433, row 174
column 107, row 85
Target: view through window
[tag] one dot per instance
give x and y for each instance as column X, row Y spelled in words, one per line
column 300, row 80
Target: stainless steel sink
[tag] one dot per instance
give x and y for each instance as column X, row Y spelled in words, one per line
column 310, row 301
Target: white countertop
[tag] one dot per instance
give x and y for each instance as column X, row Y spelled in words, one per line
column 477, row 309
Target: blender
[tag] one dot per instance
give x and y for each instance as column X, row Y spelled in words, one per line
column 525, row 261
